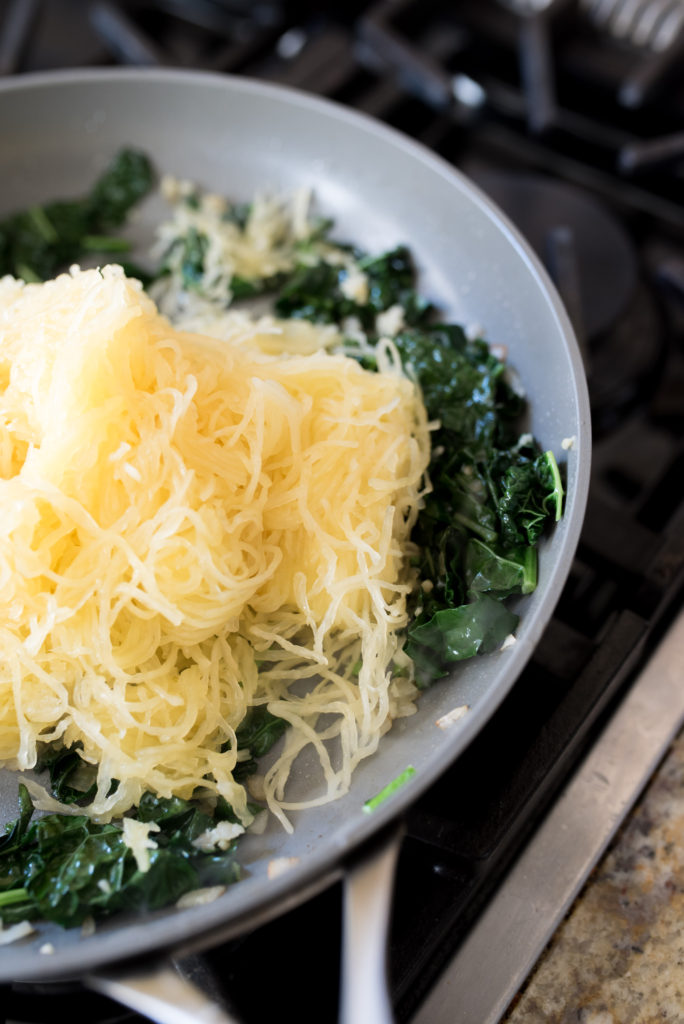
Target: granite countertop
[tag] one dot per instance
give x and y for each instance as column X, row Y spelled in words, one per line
column 618, row 957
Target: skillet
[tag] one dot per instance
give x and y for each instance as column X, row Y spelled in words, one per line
column 236, row 136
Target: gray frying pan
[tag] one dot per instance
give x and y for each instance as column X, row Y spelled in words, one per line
column 235, row 136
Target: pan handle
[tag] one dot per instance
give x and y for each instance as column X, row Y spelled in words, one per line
column 160, row 993
column 368, row 890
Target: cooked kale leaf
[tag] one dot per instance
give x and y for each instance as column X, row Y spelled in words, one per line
column 316, row 292
column 493, row 494
column 258, row 731
column 65, row 868
column 125, row 182
column 65, row 766
column 391, row 282
column 37, row 243
column 453, row 634
column 463, row 384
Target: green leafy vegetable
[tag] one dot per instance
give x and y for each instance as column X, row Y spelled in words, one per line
column 193, row 247
column 65, row 766
column 242, row 288
column 463, row 384
column 526, row 486
column 16, row 829
column 258, row 731
column 316, row 292
column 391, row 282
column 37, row 243
column 453, row 634
column 500, row 574
column 493, row 494
column 64, row 868
column 126, row 181
column 237, row 213
column 105, row 243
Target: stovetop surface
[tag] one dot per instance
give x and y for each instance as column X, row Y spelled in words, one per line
column 575, row 133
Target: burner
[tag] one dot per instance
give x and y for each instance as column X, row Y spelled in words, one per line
column 627, row 361
column 603, row 250
column 616, row 317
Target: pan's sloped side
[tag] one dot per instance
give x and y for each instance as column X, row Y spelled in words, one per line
column 237, row 137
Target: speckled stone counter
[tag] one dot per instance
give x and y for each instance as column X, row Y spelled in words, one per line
column 618, row 957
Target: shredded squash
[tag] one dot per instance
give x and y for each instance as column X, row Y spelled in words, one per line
column 192, row 526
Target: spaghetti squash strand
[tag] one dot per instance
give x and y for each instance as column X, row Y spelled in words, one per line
column 193, row 526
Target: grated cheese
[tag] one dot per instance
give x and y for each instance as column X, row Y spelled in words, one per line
column 267, row 244
column 391, row 321
column 453, row 716
column 177, row 507
column 200, row 897
column 219, row 837
column 15, row 932
column 136, row 836
column 354, row 285
column 280, row 865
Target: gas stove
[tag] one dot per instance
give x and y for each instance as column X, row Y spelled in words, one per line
column 569, row 115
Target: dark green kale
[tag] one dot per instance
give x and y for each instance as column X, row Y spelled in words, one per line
column 316, row 292
column 194, row 247
column 237, row 213
column 391, row 282
column 526, row 486
column 258, row 731
column 243, row 288
column 453, row 634
column 125, row 182
column 65, row 868
column 485, row 570
column 463, row 385
column 493, row 495
column 37, row 243
column 188, row 252
column 65, row 766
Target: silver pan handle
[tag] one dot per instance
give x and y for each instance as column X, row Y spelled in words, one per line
column 160, row 993
column 368, row 889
